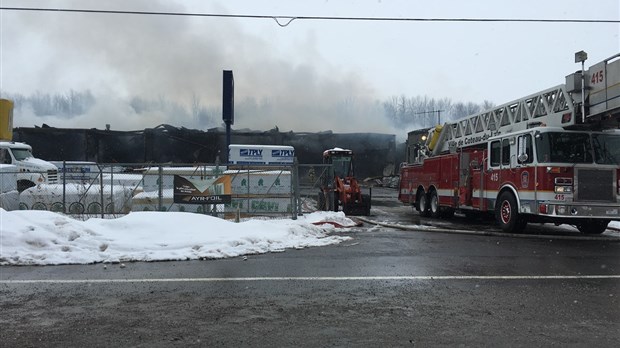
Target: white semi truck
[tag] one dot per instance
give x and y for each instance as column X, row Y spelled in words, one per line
column 31, row 171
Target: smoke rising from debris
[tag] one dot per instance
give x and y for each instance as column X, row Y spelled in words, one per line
column 178, row 62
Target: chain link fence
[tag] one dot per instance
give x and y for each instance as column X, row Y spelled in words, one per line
column 312, row 178
column 87, row 189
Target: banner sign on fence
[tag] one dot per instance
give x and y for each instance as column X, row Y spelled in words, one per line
column 202, row 190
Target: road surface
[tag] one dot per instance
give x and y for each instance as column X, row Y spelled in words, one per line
column 385, row 287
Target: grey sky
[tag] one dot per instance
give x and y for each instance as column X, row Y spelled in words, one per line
column 302, row 74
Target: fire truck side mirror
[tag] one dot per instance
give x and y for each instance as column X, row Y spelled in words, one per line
column 537, row 135
column 522, row 157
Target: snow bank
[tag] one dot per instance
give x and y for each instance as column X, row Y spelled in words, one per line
column 47, row 238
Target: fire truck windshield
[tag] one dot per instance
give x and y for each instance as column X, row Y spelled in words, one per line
column 606, row 148
column 564, row 147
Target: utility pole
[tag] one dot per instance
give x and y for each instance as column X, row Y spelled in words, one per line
column 228, row 105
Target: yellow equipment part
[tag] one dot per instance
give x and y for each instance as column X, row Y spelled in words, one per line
column 6, row 119
column 435, row 137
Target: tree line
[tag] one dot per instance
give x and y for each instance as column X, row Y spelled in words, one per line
column 73, row 104
column 64, row 105
column 400, row 111
column 423, row 111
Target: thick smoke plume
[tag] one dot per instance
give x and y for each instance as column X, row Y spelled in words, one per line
column 122, row 58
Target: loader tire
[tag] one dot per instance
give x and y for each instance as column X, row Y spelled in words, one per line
column 367, row 203
column 321, row 202
column 347, row 209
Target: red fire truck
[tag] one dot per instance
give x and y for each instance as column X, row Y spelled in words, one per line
column 553, row 156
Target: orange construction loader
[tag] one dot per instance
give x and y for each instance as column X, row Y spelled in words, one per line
column 339, row 187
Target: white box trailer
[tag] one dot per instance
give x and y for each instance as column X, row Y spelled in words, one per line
column 260, row 154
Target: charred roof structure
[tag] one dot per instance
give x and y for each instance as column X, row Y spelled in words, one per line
column 376, row 153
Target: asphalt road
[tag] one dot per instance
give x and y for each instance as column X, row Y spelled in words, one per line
column 385, row 287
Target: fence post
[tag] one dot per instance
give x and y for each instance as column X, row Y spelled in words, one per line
column 112, row 210
column 217, row 175
column 101, row 191
column 248, row 190
column 160, row 187
column 296, row 206
column 64, row 187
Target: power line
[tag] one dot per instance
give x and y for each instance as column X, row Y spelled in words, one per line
column 284, row 21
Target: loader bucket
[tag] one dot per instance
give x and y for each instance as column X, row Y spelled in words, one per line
column 358, row 207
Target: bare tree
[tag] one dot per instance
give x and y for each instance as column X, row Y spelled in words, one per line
column 200, row 116
column 41, row 104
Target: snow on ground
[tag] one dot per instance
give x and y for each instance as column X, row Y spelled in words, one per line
column 47, row 238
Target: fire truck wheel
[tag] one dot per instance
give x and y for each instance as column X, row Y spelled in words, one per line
column 434, row 204
column 423, row 204
column 506, row 212
column 593, row 226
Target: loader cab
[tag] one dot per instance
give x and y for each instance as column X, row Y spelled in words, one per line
column 341, row 161
column 339, row 187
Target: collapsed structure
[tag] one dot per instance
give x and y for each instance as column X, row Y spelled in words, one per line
column 376, row 153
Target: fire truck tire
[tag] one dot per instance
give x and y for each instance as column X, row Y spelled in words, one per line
column 423, row 205
column 506, row 213
column 593, row 226
column 433, row 206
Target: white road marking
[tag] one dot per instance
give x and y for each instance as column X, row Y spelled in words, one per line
column 255, row 279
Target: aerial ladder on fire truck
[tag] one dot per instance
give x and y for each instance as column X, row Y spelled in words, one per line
column 553, row 156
